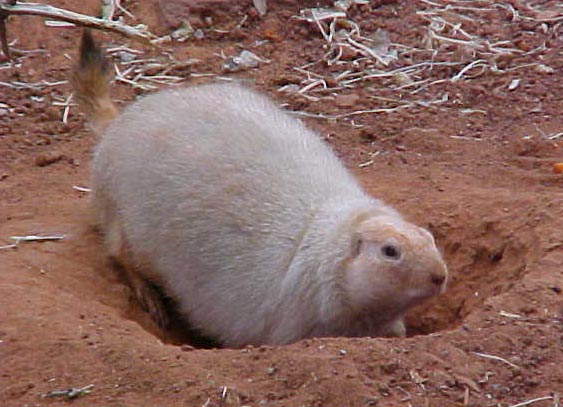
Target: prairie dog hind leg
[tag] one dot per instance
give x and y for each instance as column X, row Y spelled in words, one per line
column 144, row 289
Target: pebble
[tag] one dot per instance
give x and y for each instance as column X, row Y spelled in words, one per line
column 48, row 158
column 347, row 100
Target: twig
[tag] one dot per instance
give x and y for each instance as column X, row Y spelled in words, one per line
column 34, row 238
column 465, row 138
column 345, row 115
column 34, row 86
column 466, row 396
column 320, row 26
column 406, row 393
column 367, row 51
column 525, row 403
column 108, row 9
column 81, row 189
column 124, row 10
column 493, row 357
column 461, row 73
column 70, row 393
column 56, row 13
column 8, row 246
column 355, row 59
column 509, row 315
column 66, row 110
column 58, row 24
column 4, row 37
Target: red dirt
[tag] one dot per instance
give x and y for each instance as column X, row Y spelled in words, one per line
column 482, row 182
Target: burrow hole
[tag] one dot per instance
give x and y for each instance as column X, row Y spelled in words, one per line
column 484, row 261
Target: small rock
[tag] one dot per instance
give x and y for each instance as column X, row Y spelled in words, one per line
column 199, row 34
column 541, row 68
column 126, row 57
column 514, row 84
column 331, row 82
column 48, row 158
column 346, row 100
column 245, row 60
column 261, row 6
column 53, row 113
column 368, row 135
column 390, row 368
column 273, row 35
column 184, row 32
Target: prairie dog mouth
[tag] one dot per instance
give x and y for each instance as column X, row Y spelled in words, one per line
column 420, row 294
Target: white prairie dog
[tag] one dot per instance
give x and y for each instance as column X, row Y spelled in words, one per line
column 246, row 218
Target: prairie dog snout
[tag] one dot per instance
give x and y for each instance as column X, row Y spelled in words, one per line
column 246, row 218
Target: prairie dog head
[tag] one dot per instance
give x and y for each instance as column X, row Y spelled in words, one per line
column 393, row 266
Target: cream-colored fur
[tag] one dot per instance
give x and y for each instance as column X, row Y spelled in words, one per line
column 251, row 223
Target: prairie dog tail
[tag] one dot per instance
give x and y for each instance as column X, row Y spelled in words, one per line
column 90, row 80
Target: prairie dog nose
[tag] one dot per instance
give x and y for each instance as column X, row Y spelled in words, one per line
column 438, row 278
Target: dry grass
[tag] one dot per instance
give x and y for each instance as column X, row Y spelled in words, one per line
column 410, row 71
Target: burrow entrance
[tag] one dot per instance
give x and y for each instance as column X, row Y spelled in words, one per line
column 484, row 261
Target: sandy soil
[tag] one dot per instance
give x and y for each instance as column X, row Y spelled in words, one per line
column 475, row 167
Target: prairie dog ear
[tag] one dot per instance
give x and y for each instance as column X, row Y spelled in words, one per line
column 429, row 234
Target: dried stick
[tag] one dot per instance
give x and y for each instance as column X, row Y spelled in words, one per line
column 3, row 37
column 493, row 357
column 525, row 403
column 55, row 13
column 108, row 9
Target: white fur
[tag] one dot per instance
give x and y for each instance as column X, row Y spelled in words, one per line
column 247, row 218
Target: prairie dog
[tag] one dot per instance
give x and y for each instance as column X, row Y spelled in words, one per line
column 246, row 218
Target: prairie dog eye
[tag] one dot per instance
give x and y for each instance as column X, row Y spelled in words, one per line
column 392, row 252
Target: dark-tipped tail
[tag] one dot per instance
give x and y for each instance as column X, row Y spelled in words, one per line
column 90, row 80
